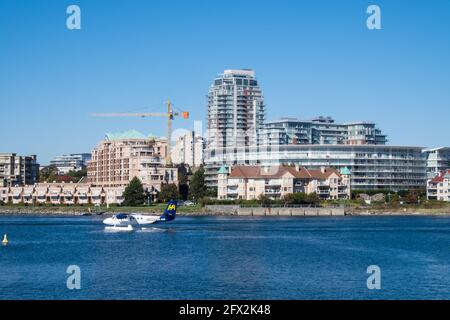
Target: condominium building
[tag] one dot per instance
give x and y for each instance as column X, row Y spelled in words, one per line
column 236, row 110
column 188, row 149
column 372, row 166
column 18, row 170
column 249, row 182
column 71, row 162
column 121, row 157
column 321, row 130
column 62, row 193
column 438, row 188
column 438, row 160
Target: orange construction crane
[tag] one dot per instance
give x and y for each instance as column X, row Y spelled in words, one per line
column 170, row 114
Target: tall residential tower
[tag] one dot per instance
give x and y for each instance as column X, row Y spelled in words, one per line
column 236, row 110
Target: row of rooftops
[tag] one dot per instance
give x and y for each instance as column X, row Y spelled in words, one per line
column 319, row 120
column 280, row 171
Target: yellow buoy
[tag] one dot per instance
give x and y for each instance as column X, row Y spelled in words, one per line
column 5, row 240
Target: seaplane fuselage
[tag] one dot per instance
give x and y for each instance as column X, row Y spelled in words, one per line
column 130, row 219
column 134, row 219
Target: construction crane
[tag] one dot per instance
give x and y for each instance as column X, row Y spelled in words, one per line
column 170, row 114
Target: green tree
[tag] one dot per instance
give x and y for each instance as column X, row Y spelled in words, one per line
column 300, row 198
column 48, row 174
column 263, row 199
column 183, row 187
column 312, row 198
column 134, row 194
column 211, row 192
column 197, row 188
column 77, row 175
column 168, row 192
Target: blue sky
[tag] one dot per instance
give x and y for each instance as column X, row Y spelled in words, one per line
column 311, row 58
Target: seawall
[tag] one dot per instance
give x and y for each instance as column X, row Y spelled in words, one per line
column 276, row 211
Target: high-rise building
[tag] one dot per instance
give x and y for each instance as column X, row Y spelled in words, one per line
column 71, row 162
column 321, row 130
column 236, row 110
column 121, row 157
column 188, row 149
column 18, row 170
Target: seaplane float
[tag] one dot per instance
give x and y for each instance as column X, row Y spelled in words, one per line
column 127, row 222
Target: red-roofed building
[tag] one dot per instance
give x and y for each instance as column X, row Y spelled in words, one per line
column 438, row 188
column 248, row 182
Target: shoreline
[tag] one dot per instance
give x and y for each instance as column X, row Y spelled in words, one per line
column 59, row 211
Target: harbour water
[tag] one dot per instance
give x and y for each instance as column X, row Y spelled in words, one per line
column 227, row 258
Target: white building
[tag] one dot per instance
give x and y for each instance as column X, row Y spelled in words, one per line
column 249, row 182
column 438, row 188
column 188, row 149
column 236, row 110
column 372, row 166
column 71, row 162
column 62, row 194
column 438, row 160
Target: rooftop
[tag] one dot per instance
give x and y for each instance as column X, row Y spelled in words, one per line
column 125, row 135
column 240, row 72
column 280, row 171
column 441, row 176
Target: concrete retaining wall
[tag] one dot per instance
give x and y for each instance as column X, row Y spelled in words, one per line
column 223, row 209
column 258, row 211
column 338, row 211
column 287, row 211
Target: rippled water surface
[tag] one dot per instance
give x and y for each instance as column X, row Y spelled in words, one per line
column 227, row 258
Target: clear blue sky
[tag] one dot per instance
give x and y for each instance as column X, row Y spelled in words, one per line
column 311, row 58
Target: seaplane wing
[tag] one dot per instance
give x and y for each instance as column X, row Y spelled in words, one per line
column 133, row 219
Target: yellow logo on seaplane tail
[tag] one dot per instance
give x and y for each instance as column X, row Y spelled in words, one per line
column 171, row 207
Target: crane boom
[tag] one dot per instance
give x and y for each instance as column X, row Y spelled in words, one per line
column 169, row 114
column 127, row 114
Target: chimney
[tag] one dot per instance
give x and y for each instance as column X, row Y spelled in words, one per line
column 297, row 167
column 322, row 169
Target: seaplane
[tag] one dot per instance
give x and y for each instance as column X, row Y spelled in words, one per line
column 126, row 222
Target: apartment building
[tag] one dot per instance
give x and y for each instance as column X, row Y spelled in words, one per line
column 71, row 162
column 236, row 110
column 373, row 166
column 249, row 182
column 18, row 170
column 438, row 188
column 321, row 130
column 188, row 149
column 122, row 156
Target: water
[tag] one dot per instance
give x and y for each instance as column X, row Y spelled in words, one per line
column 227, row 258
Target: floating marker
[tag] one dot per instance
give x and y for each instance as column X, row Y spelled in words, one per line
column 5, row 240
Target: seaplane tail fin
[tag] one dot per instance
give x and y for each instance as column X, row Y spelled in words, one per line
column 170, row 211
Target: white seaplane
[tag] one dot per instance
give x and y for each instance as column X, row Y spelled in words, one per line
column 125, row 221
